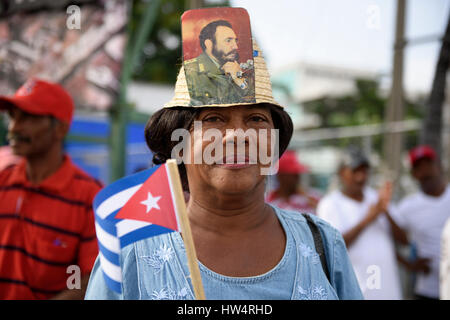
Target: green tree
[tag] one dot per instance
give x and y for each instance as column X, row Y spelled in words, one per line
column 366, row 106
column 161, row 57
column 432, row 130
column 3, row 130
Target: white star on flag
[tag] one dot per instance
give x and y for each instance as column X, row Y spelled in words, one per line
column 151, row 202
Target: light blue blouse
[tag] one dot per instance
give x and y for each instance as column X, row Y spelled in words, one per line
column 156, row 268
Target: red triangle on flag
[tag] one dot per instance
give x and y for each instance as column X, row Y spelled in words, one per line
column 152, row 202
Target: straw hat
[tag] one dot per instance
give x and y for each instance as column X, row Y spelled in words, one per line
column 263, row 86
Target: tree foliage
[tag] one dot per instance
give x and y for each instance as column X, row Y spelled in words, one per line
column 365, row 106
column 161, row 57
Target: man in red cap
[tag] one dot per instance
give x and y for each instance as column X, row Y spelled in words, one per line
column 423, row 215
column 289, row 194
column 46, row 218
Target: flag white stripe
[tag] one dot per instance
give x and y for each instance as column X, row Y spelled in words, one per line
column 116, row 201
column 109, row 241
column 172, row 196
column 113, row 271
column 126, row 226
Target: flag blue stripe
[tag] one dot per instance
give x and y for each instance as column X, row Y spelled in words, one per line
column 109, row 255
column 142, row 233
column 112, row 284
column 123, row 184
column 108, row 225
column 111, row 216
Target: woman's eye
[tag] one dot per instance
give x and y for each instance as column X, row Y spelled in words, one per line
column 211, row 119
column 257, row 119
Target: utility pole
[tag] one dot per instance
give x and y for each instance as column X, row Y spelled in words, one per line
column 393, row 142
column 120, row 112
column 433, row 121
column 446, row 135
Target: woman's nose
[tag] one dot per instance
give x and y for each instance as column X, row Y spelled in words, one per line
column 239, row 136
column 236, row 123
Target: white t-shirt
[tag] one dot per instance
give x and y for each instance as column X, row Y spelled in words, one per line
column 424, row 217
column 372, row 253
column 445, row 263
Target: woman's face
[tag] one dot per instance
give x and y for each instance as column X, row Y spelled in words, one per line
column 226, row 147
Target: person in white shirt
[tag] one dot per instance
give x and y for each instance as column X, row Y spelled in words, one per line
column 362, row 216
column 444, row 281
column 423, row 215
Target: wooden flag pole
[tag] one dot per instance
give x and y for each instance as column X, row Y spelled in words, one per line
column 185, row 229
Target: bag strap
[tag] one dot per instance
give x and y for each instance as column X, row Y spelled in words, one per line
column 318, row 243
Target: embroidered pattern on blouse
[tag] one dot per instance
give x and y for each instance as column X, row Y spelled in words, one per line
column 159, row 257
column 313, row 293
column 307, row 252
column 169, row 294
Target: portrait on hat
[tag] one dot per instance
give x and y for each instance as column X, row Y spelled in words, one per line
column 218, row 56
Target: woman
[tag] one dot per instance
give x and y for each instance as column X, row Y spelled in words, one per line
column 247, row 249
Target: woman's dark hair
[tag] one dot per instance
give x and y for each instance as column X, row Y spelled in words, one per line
column 161, row 124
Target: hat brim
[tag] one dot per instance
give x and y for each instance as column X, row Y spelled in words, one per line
column 8, row 102
column 358, row 164
column 176, row 105
column 414, row 162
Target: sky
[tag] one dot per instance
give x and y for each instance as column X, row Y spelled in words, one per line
column 356, row 34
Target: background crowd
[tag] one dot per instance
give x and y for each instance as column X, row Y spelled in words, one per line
column 375, row 228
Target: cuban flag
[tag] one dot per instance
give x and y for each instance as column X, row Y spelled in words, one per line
column 131, row 209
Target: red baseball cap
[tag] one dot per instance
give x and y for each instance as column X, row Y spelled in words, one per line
column 421, row 152
column 41, row 97
column 289, row 163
